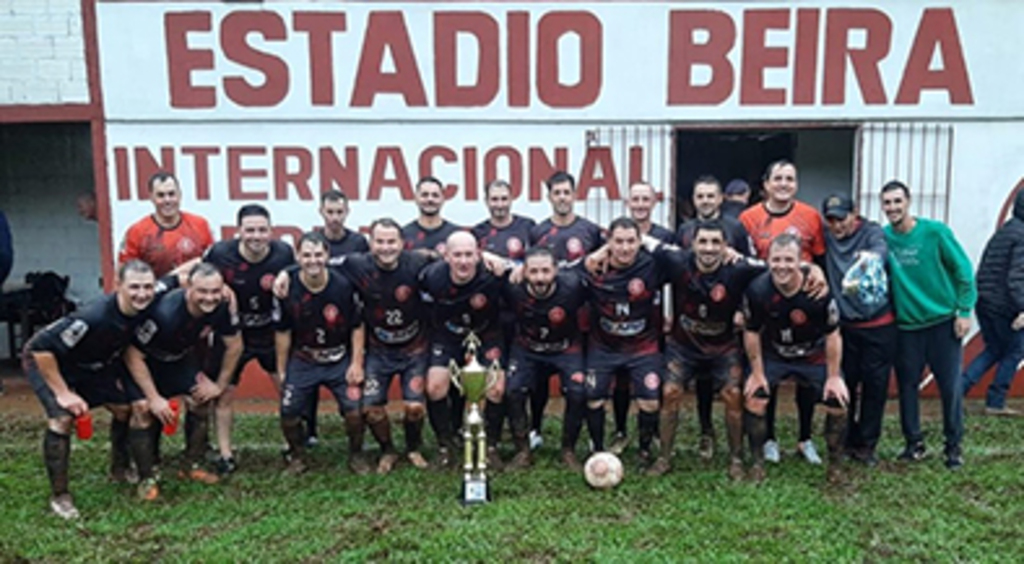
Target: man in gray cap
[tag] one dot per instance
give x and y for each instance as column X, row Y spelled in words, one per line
column 855, row 263
column 736, row 198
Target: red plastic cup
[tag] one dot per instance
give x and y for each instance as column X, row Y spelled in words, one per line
column 172, row 427
column 83, row 426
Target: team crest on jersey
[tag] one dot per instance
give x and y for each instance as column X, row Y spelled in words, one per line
column 74, row 333
column 652, row 381
column 416, row 384
column 574, row 246
column 514, row 246
column 798, row 317
column 556, row 315
column 636, row 287
column 267, row 282
column 330, row 313
column 478, row 301
column 492, row 354
column 186, row 245
column 717, row 293
column 402, row 293
column 441, row 248
column 146, row 331
column 353, row 393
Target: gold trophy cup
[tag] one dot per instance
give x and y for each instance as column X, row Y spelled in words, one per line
column 473, row 380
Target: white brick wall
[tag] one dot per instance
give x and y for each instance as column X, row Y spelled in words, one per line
column 42, row 52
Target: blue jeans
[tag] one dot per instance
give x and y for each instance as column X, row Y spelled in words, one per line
column 1003, row 346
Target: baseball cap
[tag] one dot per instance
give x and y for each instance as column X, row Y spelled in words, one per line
column 837, row 206
column 736, row 186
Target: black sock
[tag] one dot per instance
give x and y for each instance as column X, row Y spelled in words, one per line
column 835, row 431
column 647, row 423
column 516, row 404
column 769, row 414
column 705, row 405
column 538, row 401
column 806, row 398
column 141, row 443
column 573, row 423
column 457, row 408
column 56, row 454
column 413, row 434
column 595, row 426
column 119, row 457
column 196, row 436
column 494, row 420
column 155, row 431
column 310, row 417
column 441, row 421
column 620, row 406
column 294, row 434
column 757, row 432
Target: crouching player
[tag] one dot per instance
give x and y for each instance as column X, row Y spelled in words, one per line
column 789, row 334
column 74, row 364
column 164, row 363
column 319, row 342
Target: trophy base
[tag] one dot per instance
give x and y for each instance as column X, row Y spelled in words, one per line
column 475, row 491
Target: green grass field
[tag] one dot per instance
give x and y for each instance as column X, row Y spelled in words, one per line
column 894, row 512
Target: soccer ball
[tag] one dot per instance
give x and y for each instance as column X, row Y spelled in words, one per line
column 603, row 471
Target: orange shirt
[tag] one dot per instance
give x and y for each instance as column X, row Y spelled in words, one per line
column 801, row 219
column 163, row 248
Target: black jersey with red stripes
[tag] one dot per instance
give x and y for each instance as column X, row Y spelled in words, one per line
column 170, row 332
column 626, row 306
column 510, row 241
column 418, row 237
column 393, row 308
column 705, row 303
column 549, row 324
column 252, row 284
column 792, row 328
column 320, row 322
column 567, row 243
column 735, row 234
column 458, row 309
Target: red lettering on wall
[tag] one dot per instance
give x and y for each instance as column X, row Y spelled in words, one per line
column 426, row 165
column 550, row 29
column 124, row 187
column 469, row 173
column 386, row 32
column 937, row 29
column 805, row 58
column 684, row 54
column 320, row 26
column 515, row 167
column 378, row 177
column 518, row 46
column 237, row 173
column 146, row 166
column 334, row 174
column 181, row 60
column 299, row 178
column 877, row 40
column 757, row 56
column 483, row 28
column 541, row 168
column 234, row 29
column 201, row 166
column 598, row 171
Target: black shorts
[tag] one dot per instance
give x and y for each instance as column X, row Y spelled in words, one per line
column 643, row 370
column 383, row 365
column 684, row 369
column 267, row 357
column 97, row 388
column 528, row 370
column 441, row 352
column 302, row 383
column 172, row 379
column 803, row 373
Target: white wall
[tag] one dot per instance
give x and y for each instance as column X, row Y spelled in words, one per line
column 42, row 52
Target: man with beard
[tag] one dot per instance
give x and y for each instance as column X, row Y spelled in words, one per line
column 163, row 363
column 429, row 231
column 547, row 341
column 505, row 234
column 169, row 237
column 320, row 341
column 248, row 266
column 464, row 298
column 789, row 334
column 74, row 364
column 781, row 213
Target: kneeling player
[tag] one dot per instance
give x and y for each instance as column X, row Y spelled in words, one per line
column 320, row 342
column 791, row 335
column 74, row 364
column 164, row 363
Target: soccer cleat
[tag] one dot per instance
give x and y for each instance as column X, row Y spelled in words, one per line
column 706, row 450
column 387, row 462
column 521, row 460
column 570, row 461
column 865, row 456
column 954, row 458
column 771, row 451
column 416, row 459
column 358, row 464
column 197, row 474
column 757, row 474
column 295, row 466
column 494, row 459
column 124, row 475
column 64, row 507
column 619, row 443
column 809, row 452
column 148, row 490
column 312, row 441
column 536, row 439
column 226, row 465
column 661, row 466
column 736, row 470
column 834, row 474
column 1003, row 411
column 913, row 452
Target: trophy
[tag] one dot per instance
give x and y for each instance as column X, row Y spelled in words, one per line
column 473, row 380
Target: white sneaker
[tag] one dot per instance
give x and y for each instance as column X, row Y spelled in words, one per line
column 64, row 507
column 808, row 451
column 536, row 440
column 771, row 451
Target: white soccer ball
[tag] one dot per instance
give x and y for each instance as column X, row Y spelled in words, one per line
column 603, row 471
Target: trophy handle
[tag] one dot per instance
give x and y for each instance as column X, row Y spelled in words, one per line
column 492, row 373
column 455, row 373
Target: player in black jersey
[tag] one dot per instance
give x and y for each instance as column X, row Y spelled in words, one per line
column 463, row 298
column 504, row 234
column 703, row 344
column 163, row 361
column 547, row 341
column 74, row 364
column 625, row 329
column 248, row 266
column 320, row 342
column 429, row 231
column 789, row 334
column 387, row 280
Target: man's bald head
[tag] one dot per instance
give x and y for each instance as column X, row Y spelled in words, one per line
column 640, row 201
column 462, row 255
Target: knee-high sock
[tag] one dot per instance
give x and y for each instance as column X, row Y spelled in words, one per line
column 705, row 405
column 119, row 457
column 140, row 442
column 294, row 435
column 538, row 401
column 413, row 426
column 573, row 423
column 806, row 398
column 757, row 432
column 494, row 420
column 647, row 423
column 620, row 408
column 835, row 431
column 595, row 426
column 669, row 422
column 440, row 416
column 196, row 436
column 355, row 428
column 56, row 454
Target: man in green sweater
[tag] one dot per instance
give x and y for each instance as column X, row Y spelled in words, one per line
column 933, row 294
